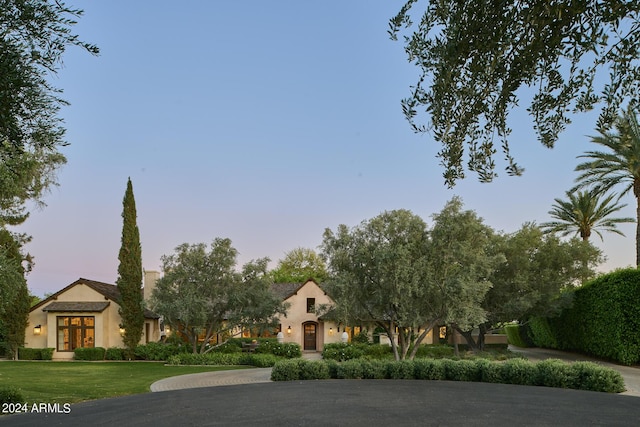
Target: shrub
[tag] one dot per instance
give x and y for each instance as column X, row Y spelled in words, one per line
column 157, row 351
column 551, row 373
column 462, row 370
column 224, row 359
column 513, row 335
column 114, row 353
column 29, row 353
column 361, row 338
column 343, row 351
column 591, row 376
column 89, row 353
column 289, row 350
column 286, row 370
column 519, row 371
column 542, row 334
column 400, row 370
column 10, row 395
column 46, row 353
column 428, row 369
column 554, row 373
column 435, row 351
column 313, row 370
column 377, row 351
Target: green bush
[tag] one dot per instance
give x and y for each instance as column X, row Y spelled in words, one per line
column 286, row 370
column 513, row 335
column 89, row 353
column 158, row 351
column 29, row 353
column 519, row 371
column 603, row 321
column 10, row 395
column 343, row 351
column 550, row 373
column 224, row 359
column 114, row 353
column 542, row 333
column 462, row 370
column 313, row 370
column 429, row 369
column 400, row 370
column 289, row 350
column 594, row 377
column 435, row 351
column 554, row 373
column 47, row 353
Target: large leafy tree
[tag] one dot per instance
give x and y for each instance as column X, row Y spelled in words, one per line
column 203, row 297
column 617, row 165
column 393, row 271
column 584, row 212
column 129, row 279
column 475, row 56
column 15, row 300
column 298, row 265
column 34, row 35
column 537, row 268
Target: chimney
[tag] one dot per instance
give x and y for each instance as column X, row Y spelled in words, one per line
column 150, row 279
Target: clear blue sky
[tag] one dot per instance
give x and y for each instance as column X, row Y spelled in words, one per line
column 264, row 122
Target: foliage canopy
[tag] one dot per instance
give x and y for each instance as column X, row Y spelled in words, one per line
column 475, row 56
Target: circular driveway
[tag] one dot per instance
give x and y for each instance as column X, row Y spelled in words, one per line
column 351, row 403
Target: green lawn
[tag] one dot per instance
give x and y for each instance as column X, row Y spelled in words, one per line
column 69, row 382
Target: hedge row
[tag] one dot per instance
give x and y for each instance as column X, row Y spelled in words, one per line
column 604, row 320
column 549, row 373
column 347, row 351
column 212, row 358
column 35, row 353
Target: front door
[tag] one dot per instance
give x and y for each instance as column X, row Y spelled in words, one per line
column 310, row 336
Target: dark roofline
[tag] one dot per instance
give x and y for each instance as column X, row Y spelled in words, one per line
column 108, row 290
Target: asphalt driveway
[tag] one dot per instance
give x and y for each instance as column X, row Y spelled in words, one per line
column 247, row 397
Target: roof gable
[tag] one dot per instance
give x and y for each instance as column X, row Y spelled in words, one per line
column 286, row 290
column 108, row 290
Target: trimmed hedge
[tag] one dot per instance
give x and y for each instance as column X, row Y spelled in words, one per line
column 550, row 373
column 604, row 320
column 89, row 353
column 252, row 359
column 158, row 351
column 513, row 335
column 35, row 353
column 114, row 353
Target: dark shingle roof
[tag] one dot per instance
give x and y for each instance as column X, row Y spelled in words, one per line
column 286, row 290
column 67, row 306
column 109, row 291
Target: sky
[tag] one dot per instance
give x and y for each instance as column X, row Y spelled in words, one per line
column 264, row 122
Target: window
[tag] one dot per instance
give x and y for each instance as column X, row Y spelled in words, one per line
column 74, row 332
column 311, row 305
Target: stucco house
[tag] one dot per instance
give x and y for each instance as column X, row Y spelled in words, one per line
column 85, row 314
column 302, row 323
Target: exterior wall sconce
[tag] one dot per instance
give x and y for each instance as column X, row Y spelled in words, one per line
column 37, row 330
column 289, row 330
column 330, row 331
column 167, row 329
column 121, row 331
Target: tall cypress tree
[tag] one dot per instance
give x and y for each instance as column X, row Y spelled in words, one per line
column 130, row 274
column 15, row 300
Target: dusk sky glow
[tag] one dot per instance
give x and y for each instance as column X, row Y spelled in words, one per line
column 264, row 122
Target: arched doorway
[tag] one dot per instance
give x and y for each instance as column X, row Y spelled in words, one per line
column 310, row 335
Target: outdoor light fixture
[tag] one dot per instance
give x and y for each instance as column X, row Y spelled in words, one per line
column 289, row 330
column 330, row 331
column 122, row 331
column 37, row 330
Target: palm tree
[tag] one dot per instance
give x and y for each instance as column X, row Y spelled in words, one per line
column 618, row 166
column 583, row 213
